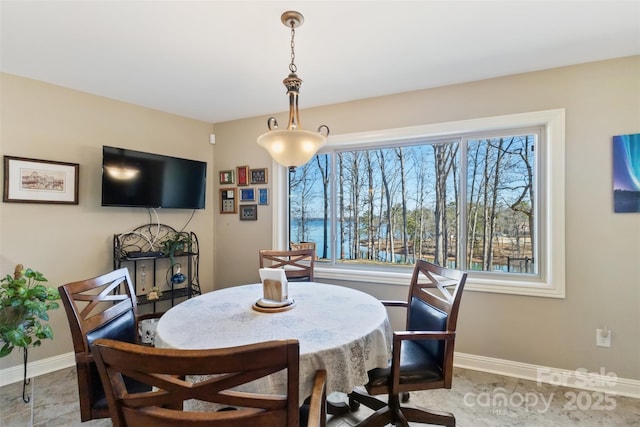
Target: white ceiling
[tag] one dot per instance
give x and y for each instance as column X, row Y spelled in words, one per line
column 222, row 60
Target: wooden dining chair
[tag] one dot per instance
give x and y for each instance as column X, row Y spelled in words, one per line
column 422, row 355
column 298, row 264
column 101, row 307
column 304, row 245
column 219, row 371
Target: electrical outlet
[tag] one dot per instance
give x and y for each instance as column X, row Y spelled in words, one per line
column 603, row 339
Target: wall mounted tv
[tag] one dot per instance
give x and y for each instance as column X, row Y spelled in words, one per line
column 137, row 179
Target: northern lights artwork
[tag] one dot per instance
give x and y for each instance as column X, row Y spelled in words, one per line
column 626, row 173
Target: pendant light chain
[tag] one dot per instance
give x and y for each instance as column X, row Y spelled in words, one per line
column 292, row 67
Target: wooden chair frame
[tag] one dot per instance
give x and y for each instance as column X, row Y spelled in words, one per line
column 167, row 369
column 298, row 264
column 304, row 245
column 430, row 283
column 89, row 305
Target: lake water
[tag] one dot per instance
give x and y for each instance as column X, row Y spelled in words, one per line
column 314, row 233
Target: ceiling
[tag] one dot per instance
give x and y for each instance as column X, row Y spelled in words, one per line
column 223, row 60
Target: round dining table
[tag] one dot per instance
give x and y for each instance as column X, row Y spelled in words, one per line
column 339, row 329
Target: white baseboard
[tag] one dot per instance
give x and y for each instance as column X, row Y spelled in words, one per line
column 580, row 379
column 37, row 368
column 602, row 382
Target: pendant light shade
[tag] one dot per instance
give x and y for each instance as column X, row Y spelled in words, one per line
column 293, row 146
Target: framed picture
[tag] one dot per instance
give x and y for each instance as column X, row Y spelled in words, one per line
column 226, row 177
column 259, row 176
column 263, row 196
column 247, row 195
column 248, row 212
column 40, row 181
column 243, row 175
column 228, row 201
column 626, row 164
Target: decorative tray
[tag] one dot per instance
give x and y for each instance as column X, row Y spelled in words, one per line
column 269, row 306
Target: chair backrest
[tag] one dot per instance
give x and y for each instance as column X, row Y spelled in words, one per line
column 304, row 245
column 434, row 301
column 101, row 307
column 298, row 264
column 214, row 373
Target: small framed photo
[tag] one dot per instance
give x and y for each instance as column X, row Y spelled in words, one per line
column 40, row 181
column 258, row 176
column 248, row 212
column 263, row 196
column 226, row 177
column 228, row 201
column 247, row 194
column 243, row 175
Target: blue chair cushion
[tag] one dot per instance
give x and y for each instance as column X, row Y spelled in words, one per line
column 416, row 366
column 425, row 317
column 122, row 328
column 420, row 360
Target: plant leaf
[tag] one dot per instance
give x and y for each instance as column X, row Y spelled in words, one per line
column 6, row 349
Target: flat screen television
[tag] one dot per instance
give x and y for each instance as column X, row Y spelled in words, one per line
column 137, row 179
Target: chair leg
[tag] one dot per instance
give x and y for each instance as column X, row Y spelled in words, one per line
column 367, row 400
column 380, row 418
column 393, row 413
column 388, row 414
column 396, row 410
column 429, row 416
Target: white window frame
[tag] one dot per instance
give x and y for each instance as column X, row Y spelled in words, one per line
column 551, row 185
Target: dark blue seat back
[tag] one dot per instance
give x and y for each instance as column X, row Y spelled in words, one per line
column 122, row 328
column 424, row 317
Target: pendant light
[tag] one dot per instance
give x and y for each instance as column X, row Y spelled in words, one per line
column 292, row 146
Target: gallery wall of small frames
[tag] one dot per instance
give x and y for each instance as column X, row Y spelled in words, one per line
column 243, row 189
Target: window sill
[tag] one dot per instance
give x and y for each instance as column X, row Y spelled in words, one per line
column 474, row 284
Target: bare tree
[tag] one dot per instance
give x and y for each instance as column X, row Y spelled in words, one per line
column 341, row 219
column 474, row 201
column 369, row 202
column 527, row 189
column 302, row 193
column 444, row 156
column 389, row 247
column 419, row 212
column 492, row 176
column 354, row 206
column 324, row 175
column 403, row 191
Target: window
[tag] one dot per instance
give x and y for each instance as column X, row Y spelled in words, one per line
column 482, row 195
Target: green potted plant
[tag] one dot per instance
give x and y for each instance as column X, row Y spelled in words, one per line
column 24, row 306
column 176, row 244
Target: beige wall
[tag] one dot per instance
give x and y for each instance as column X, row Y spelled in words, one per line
column 603, row 249
column 68, row 242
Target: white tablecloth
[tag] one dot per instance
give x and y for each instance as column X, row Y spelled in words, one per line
column 342, row 330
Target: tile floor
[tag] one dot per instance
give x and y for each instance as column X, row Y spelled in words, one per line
column 477, row 399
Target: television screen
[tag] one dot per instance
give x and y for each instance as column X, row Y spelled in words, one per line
column 137, row 179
